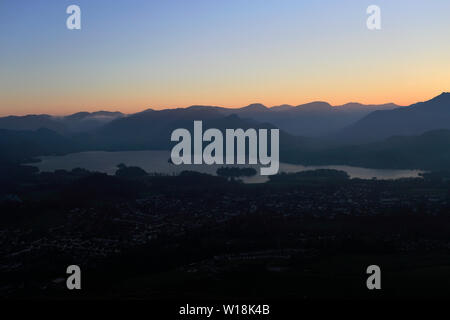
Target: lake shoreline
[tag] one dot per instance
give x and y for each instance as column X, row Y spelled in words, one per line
column 155, row 161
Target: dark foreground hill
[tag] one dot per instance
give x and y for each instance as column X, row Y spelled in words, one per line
column 152, row 129
column 411, row 137
column 21, row 145
column 429, row 151
column 416, row 119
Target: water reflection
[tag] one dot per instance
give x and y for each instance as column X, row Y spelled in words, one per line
column 157, row 161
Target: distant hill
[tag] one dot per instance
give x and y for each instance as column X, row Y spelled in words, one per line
column 20, row 145
column 31, row 122
column 87, row 121
column 316, row 118
column 152, row 129
column 428, row 151
column 311, row 119
column 413, row 120
column 78, row 122
column 97, row 115
column 403, row 133
column 146, row 130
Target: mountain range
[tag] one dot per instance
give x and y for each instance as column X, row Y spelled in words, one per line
column 77, row 122
column 315, row 133
column 311, row 119
column 427, row 151
column 416, row 119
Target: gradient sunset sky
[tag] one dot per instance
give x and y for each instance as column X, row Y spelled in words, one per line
column 134, row 54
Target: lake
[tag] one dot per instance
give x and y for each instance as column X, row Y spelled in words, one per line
column 157, row 161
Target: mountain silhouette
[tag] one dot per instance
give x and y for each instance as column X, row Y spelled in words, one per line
column 31, row 122
column 99, row 115
column 311, row 119
column 147, row 130
column 21, row 145
column 416, row 136
column 77, row 122
column 152, row 130
column 87, row 121
column 428, row 151
column 413, row 120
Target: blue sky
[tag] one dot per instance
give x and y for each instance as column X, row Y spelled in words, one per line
column 135, row 54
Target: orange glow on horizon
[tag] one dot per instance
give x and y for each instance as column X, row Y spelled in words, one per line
column 58, row 108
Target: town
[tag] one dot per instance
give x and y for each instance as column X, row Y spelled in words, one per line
column 201, row 228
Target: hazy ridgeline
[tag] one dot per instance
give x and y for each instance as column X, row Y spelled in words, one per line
column 385, row 136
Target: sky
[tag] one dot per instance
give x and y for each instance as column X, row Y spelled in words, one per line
column 131, row 55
